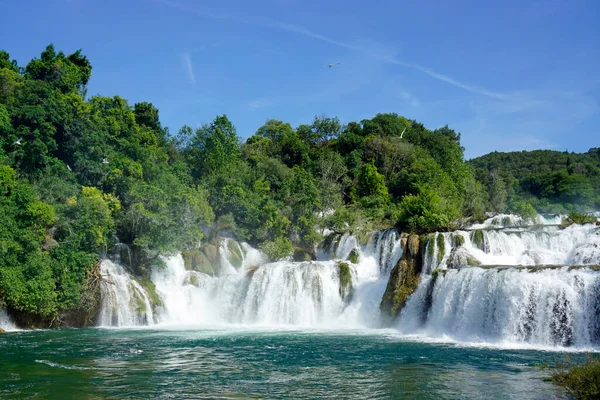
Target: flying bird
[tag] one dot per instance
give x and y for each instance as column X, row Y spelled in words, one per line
column 331, row 65
column 402, row 133
column 69, row 168
column 18, row 142
column 104, row 161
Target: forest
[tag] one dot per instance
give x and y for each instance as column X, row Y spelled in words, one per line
column 551, row 181
column 81, row 175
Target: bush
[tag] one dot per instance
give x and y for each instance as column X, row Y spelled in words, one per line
column 579, row 218
column 581, row 380
column 277, row 249
column 525, row 210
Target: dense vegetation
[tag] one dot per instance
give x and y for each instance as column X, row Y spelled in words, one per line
column 551, row 181
column 79, row 174
column 581, row 380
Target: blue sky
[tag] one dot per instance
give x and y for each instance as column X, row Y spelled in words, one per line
column 509, row 75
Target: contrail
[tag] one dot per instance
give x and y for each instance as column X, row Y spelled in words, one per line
column 300, row 30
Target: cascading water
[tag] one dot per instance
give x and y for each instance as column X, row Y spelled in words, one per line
column 124, row 301
column 534, row 285
column 575, row 245
column 246, row 290
column 5, row 322
column 548, row 307
column 388, row 249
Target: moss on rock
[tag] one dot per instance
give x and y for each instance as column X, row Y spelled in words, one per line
column 441, row 245
column 153, row 297
column 404, row 278
column 354, row 256
column 459, row 240
column 478, row 239
column 211, row 253
column 301, row 255
column 345, row 275
column 197, row 260
column 236, row 257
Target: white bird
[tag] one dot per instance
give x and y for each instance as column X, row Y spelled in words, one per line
column 104, row 161
column 402, row 133
column 69, row 168
column 331, row 65
column 18, row 142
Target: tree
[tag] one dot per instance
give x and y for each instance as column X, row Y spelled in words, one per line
column 498, row 193
column 215, row 147
column 63, row 72
column 331, row 169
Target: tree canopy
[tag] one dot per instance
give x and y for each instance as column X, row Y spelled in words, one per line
column 79, row 175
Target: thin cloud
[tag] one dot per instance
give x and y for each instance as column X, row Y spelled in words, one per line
column 186, row 62
column 257, row 103
column 300, row 30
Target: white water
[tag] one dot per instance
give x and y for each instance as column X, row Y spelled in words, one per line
column 511, row 220
column 5, row 322
column 124, row 301
column 303, row 294
column 550, row 307
column 284, row 293
column 575, row 245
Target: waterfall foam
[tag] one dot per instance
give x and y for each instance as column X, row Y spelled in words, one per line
column 124, row 301
column 280, row 293
column 5, row 322
column 547, row 307
column 575, row 245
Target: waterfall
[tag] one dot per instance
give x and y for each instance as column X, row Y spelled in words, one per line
column 511, row 220
column 386, row 247
column 247, row 290
column 575, row 245
column 542, row 307
column 5, row 322
column 347, row 243
column 124, row 301
column 510, row 283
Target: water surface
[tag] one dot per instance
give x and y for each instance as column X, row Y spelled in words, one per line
column 241, row 363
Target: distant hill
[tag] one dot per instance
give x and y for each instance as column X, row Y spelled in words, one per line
column 552, row 181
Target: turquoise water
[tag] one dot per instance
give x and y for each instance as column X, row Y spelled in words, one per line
column 145, row 364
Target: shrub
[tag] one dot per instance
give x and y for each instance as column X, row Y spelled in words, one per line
column 277, row 249
column 581, row 380
column 575, row 217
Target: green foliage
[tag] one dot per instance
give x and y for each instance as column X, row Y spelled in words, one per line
column 354, row 256
column 66, row 73
column 575, row 217
column 423, row 212
column 89, row 172
column 214, row 148
column 552, row 181
column 277, row 249
column 372, row 184
column 581, row 380
column 345, row 276
column 441, row 245
column 524, row 209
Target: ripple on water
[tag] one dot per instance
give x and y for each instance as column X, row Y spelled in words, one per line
column 141, row 364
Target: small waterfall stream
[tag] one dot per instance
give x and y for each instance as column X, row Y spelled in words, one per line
column 124, row 301
column 5, row 322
